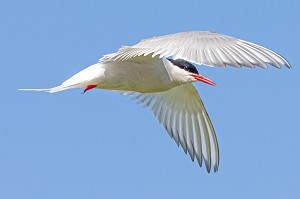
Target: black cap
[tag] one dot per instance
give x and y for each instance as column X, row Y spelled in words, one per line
column 185, row 65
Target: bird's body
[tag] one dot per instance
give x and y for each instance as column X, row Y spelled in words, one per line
column 152, row 73
column 145, row 73
column 145, row 76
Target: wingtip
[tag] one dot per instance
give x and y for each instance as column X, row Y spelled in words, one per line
column 207, row 165
column 215, row 169
column 287, row 64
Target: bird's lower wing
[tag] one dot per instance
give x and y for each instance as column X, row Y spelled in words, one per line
column 182, row 113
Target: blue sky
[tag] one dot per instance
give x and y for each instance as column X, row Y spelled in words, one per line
column 103, row 145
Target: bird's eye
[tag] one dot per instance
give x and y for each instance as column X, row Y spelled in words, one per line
column 185, row 65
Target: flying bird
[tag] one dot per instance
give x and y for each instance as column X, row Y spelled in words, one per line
column 158, row 73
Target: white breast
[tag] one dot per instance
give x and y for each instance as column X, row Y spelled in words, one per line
column 147, row 76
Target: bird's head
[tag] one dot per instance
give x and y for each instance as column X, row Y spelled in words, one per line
column 183, row 72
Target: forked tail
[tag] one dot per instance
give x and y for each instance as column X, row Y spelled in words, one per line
column 87, row 78
column 51, row 90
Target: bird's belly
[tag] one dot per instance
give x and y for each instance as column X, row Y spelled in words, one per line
column 140, row 77
column 142, row 88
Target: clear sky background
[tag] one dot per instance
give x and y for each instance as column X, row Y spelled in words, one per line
column 103, row 145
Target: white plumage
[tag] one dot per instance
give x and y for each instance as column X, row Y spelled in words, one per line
column 202, row 47
column 145, row 73
column 181, row 111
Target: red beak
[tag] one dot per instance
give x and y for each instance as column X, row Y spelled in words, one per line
column 204, row 79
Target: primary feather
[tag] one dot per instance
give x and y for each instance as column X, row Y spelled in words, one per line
column 202, row 47
column 181, row 111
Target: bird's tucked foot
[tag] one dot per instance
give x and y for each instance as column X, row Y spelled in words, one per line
column 89, row 87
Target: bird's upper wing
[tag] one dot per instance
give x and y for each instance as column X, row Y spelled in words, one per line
column 202, row 47
column 182, row 113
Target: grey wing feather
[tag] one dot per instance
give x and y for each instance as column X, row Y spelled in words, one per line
column 202, row 47
column 182, row 113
